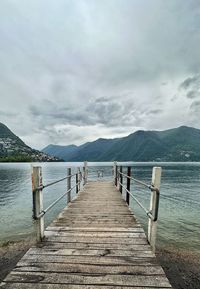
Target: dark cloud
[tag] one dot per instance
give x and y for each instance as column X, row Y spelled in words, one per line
column 155, row 111
column 100, row 111
column 82, row 69
column 101, row 99
column 193, row 94
column 190, row 82
column 195, row 106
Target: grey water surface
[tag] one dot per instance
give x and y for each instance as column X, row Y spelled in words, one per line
column 179, row 213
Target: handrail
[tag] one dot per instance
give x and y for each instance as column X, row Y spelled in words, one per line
column 37, row 192
column 151, row 187
column 53, row 183
column 149, row 213
column 152, row 213
column 54, row 203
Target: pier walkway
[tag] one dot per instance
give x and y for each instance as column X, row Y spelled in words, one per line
column 96, row 242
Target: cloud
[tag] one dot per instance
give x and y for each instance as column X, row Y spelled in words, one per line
column 72, row 71
column 193, row 94
column 191, row 82
column 195, row 106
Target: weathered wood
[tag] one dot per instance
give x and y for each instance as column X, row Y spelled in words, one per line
column 152, row 225
column 128, row 185
column 97, row 279
column 94, row 229
column 85, row 173
column 121, row 179
column 97, row 240
column 70, row 286
column 110, row 235
column 94, row 243
column 115, row 173
column 100, row 260
column 82, row 245
column 76, row 180
column 37, row 202
column 89, row 252
column 69, row 172
column 79, row 179
column 26, row 266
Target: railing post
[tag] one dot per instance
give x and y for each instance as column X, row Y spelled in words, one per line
column 128, row 185
column 37, row 201
column 77, row 183
column 79, row 179
column 69, row 172
column 152, row 225
column 115, row 173
column 85, row 173
column 121, row 179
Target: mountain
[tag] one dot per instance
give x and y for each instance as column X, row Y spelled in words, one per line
column 12, row 148
column 89, row 150
column 177, row 144
column 60, row 151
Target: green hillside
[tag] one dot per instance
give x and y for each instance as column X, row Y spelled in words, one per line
column 178, row 144
column 13, row 149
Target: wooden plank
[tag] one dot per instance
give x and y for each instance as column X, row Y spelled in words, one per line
column 97, row 279
column 101, row 260
column 94, row 229
column 102, row 240
column 89, row 252
column 94, row 243
column 70, row 286
column 82, row 245
column 31, row 266
column 96, row 234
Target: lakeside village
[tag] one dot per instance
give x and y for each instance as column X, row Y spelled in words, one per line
column 10, row 150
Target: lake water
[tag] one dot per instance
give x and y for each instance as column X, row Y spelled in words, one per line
column 179, row 214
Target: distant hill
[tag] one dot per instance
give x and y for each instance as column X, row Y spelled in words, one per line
column 60, row 151
column 12, row 148
column 177, row 144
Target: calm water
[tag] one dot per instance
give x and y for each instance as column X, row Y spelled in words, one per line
column 179, row 219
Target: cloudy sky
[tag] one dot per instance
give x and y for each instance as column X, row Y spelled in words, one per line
column 72, row 71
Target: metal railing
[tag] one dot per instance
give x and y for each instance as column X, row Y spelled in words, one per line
column 154, row 188
column 37, row 193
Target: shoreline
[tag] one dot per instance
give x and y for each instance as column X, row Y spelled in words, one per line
column 11, row 252
column 181, row 267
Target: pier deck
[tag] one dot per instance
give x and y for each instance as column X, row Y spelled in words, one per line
column 95, row 242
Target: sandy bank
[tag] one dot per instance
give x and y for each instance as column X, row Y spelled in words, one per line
column 11, row 253
column 181, row 267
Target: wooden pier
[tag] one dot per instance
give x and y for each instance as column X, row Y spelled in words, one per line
column 96, row 242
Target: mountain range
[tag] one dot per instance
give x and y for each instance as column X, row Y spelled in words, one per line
column 12, row 148
column 177, row 144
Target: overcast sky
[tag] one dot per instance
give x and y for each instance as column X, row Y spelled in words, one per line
column 72, row 71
